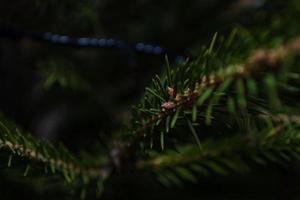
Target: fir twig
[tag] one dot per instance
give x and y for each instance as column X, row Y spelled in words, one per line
column 275, row 144
column 260, row 60
column 24, row 146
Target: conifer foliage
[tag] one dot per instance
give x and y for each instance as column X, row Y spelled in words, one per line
column 228, row 110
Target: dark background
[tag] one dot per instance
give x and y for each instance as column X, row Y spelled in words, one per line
column 108, row 81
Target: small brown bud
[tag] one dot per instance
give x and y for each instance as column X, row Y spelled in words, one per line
column 187, row 92
column 241, row 69
column 197, row 88
column 170, row 91
column 168, row 105
column 177, row 98
column 212, row 79
column 204, row 81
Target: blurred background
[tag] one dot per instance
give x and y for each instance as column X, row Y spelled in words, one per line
column 78, row 95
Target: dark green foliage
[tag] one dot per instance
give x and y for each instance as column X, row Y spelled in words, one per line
column 226, row 94
column 233, row 108
column 40, row 157
column 271, row 142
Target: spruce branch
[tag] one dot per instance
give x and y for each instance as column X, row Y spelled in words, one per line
column 40, row 155
column 211, row 86
column 277, row 144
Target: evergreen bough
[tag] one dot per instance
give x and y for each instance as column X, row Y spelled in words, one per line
column 229, row 110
